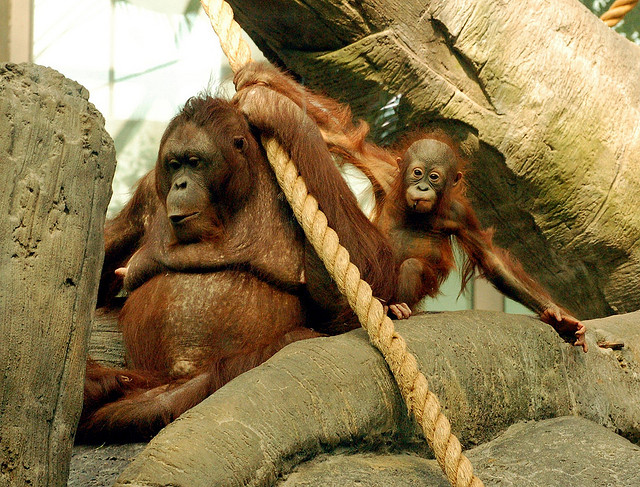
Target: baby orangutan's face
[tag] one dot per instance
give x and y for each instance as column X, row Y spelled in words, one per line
column 430, row 171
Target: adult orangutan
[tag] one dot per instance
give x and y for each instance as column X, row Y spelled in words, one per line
column 219, row 273
column 421, row 214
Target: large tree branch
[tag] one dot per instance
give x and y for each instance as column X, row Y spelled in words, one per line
column 542, row 95
column 337, row 395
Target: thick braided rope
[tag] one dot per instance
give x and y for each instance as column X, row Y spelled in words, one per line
column 617, row 11
column 229, row 32
column 412, row 383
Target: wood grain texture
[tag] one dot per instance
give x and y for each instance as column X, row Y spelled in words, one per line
column 56, row 164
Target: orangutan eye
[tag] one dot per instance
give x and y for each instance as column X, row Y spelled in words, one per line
column 417, row 172
column 434, row 176
column 174, row 165
column 239, row 142
column 194, row 161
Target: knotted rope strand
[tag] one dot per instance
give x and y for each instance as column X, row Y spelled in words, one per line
column 413, row 385
column 617, row 11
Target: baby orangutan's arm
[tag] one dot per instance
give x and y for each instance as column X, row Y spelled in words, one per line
column 509, row 278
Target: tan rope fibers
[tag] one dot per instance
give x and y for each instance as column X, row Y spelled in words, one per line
column 412, row 383
column 617, row 11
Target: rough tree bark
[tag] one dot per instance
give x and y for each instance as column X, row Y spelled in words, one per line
column 56, row 167
column 542, row 95
column 336, row 396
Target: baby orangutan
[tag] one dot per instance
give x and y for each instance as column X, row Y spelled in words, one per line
column 424, row 209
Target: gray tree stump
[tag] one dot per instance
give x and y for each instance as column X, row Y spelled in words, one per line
column 57, row 163
column 543, row 96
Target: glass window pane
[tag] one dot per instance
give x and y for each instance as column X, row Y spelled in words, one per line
column 140, row 61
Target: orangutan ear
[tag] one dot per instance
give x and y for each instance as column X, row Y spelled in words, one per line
column 240, row 143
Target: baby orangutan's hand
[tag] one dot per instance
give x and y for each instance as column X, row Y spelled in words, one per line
column 568, row 327
column 400, row 310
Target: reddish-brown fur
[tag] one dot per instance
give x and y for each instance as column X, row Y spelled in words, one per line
column 346, row 140
column 422, row 243
column 422, row 234
column 215, row 292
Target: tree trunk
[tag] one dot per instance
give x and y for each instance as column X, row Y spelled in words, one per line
column 543, row 97
column 57, row 163
column 106, row 345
